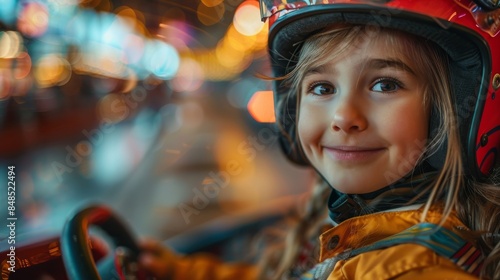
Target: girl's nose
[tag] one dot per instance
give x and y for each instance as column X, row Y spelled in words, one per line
column 349, row 117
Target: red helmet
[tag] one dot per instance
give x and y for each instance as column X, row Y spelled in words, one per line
column 466, row 30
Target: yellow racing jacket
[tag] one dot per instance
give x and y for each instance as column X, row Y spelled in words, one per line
column 395, row 245
column 384, row 245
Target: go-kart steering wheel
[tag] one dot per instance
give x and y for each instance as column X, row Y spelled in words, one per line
column 76, row 253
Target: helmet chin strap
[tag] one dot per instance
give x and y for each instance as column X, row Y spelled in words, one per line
column 411, row 189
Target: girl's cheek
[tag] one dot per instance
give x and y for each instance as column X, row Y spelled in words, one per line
column 308, row 128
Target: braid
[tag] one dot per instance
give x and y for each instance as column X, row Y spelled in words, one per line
column 481, row 211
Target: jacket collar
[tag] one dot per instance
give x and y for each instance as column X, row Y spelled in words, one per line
column 364, row 230
column 411, row 189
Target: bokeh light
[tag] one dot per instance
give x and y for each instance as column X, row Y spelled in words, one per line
column 210, row 15
column 239, row 41
column 112, row 108
column 176, row 33
column 161, row 59
column 133, row 48
column 5, row 85
column 190, row 76
column 8, row 11
column 114, row 157
column 23, row 66
column 261, row 107
column 228, row 56
column 247, row 18
column 52, row 70
column 211, row 3
column 133, row 18
column 10, row 44
column 33, row 19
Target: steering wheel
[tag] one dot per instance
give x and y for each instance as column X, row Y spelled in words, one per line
column 76, row 253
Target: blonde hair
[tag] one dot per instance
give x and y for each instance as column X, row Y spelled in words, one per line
column 476, row 204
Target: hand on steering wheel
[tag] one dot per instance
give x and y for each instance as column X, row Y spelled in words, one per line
column 76, row 252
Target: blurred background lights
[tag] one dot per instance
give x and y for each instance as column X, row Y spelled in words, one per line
column 134, row 19
column 8, row 11
column 84, row 148
column 129, row 83
column 112, row 108
column 247, row 18
column 211, row 3
column 52, row 70
column 169, row 117
column 210, row 15
column 240, row 92
column 5, row 85
column 95, row 41
column 190, row 115
column 161, row 59
column 135, row 89
column 114, row 156
column 79, row 28
column 22, row 66
column 115, row 31
column 33, row 19
column 101, row 59
column 100, row 5
column 261, row 107
column 228, row 56
column 189, row 77
column 10, row 44
column 239, row 41
column 146, row 126
column 60, row 4
column 134, row 48
column 103, row 86
column 177, row 33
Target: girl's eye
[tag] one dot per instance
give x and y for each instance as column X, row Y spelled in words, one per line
column 386, row 85
column 321, row 89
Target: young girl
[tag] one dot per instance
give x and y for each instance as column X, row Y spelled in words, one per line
column 393, row 104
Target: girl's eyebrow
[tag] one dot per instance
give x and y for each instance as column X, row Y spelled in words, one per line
column 373, row 63
column 315, row 70
column 380, row 63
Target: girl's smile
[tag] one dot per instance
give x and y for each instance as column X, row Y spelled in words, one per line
column 362, row 116
column 352, row 154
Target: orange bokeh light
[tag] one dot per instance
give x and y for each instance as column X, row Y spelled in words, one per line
column 261, row 107
column 247, row 18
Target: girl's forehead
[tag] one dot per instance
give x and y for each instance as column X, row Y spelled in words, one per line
column 365, row 48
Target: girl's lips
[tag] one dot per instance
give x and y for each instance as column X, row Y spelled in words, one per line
column 352, row 153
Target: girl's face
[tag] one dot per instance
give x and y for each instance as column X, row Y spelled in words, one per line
column 363, row 123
